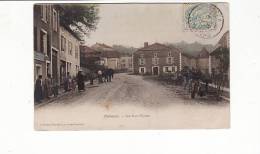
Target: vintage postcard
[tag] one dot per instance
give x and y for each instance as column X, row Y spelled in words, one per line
column 131, row 66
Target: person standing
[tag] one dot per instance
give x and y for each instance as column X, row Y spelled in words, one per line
column 106, row 75
column 80, row 80
column 47, row 86
column 99, row 76
column 112, row 73
column 55, row 87
column 38, row 95
column 66, row 82
column 91, row 78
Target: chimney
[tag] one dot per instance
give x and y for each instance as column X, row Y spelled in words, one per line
column 145, row 44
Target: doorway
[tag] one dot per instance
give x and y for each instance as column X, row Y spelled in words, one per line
column 155, row 70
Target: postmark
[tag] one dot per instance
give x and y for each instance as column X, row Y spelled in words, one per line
column 205, row 20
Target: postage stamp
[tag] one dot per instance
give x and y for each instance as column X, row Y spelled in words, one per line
column 204, row 19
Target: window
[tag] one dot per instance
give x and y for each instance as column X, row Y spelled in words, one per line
column 63, row 43
column 141, row 61
column 48, row 68
column 55, row 21
column 142, row 70
column 76, row 52
column 169, row 60
column 155, row 61
column 43, row 41
column 155, row 54
column 168, row 69
column 69, row 67
column 76, row 68
column 44, row 12
column 38, row 70
column 169, row 54
column 70, row 48
column 35, row 38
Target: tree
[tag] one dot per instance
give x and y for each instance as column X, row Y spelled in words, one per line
column 80, row 18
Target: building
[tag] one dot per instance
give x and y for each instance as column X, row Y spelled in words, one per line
column 156, row 59
column 126, row 63
column 219, row 59
column 69, row 53
column 222, row 47
column 89, row 59
column 46, row 40
column 109, row 56
column 202, row 61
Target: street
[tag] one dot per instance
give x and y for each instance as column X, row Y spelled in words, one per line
column 131, row 102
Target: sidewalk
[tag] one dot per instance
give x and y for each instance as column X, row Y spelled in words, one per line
column 61, row 94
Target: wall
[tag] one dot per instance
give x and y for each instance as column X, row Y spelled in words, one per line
column 148, row 55
column 75, row 61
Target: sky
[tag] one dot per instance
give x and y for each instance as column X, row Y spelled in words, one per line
column 134, row 24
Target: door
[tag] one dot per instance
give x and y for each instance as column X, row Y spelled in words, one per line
column 155, row 71
column 54, row 65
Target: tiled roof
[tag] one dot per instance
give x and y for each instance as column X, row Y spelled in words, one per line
column 203, row 53
column 89, row 52
column 222, row 43
column 105, row 50
column 86, row 49
column 155, row 46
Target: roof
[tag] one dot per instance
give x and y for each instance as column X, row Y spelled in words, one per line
column 222, row 44
column 89, row 52
column 155, row 46
column 72, row 33
column 203, row 53
column 224, row 40
column 105, row 50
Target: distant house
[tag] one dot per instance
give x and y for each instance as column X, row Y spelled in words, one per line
column 109, row 56
column 126, row 63
column 202, row 61
column 156, row 59
column 89, row 58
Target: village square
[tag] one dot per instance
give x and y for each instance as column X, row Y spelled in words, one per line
column 83, row 76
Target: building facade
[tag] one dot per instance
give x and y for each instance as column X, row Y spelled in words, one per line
column 69, row 53
column 156, row 59
column 46, row 41
column 110, row 58
column 126, row 63
column 220, row 47
column 203, row 61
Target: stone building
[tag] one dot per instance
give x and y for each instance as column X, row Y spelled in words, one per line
column 69, row 53
column 156, row 59
column 126, row 63
column 46, row 40
column 203, row 61
column 109, row 56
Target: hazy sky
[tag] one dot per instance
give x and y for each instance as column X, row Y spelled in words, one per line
column 134, row 24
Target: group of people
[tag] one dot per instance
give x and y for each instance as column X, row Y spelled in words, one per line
column 192, row 79
column 71, row 83
column 106, row 75
column 47, row 88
